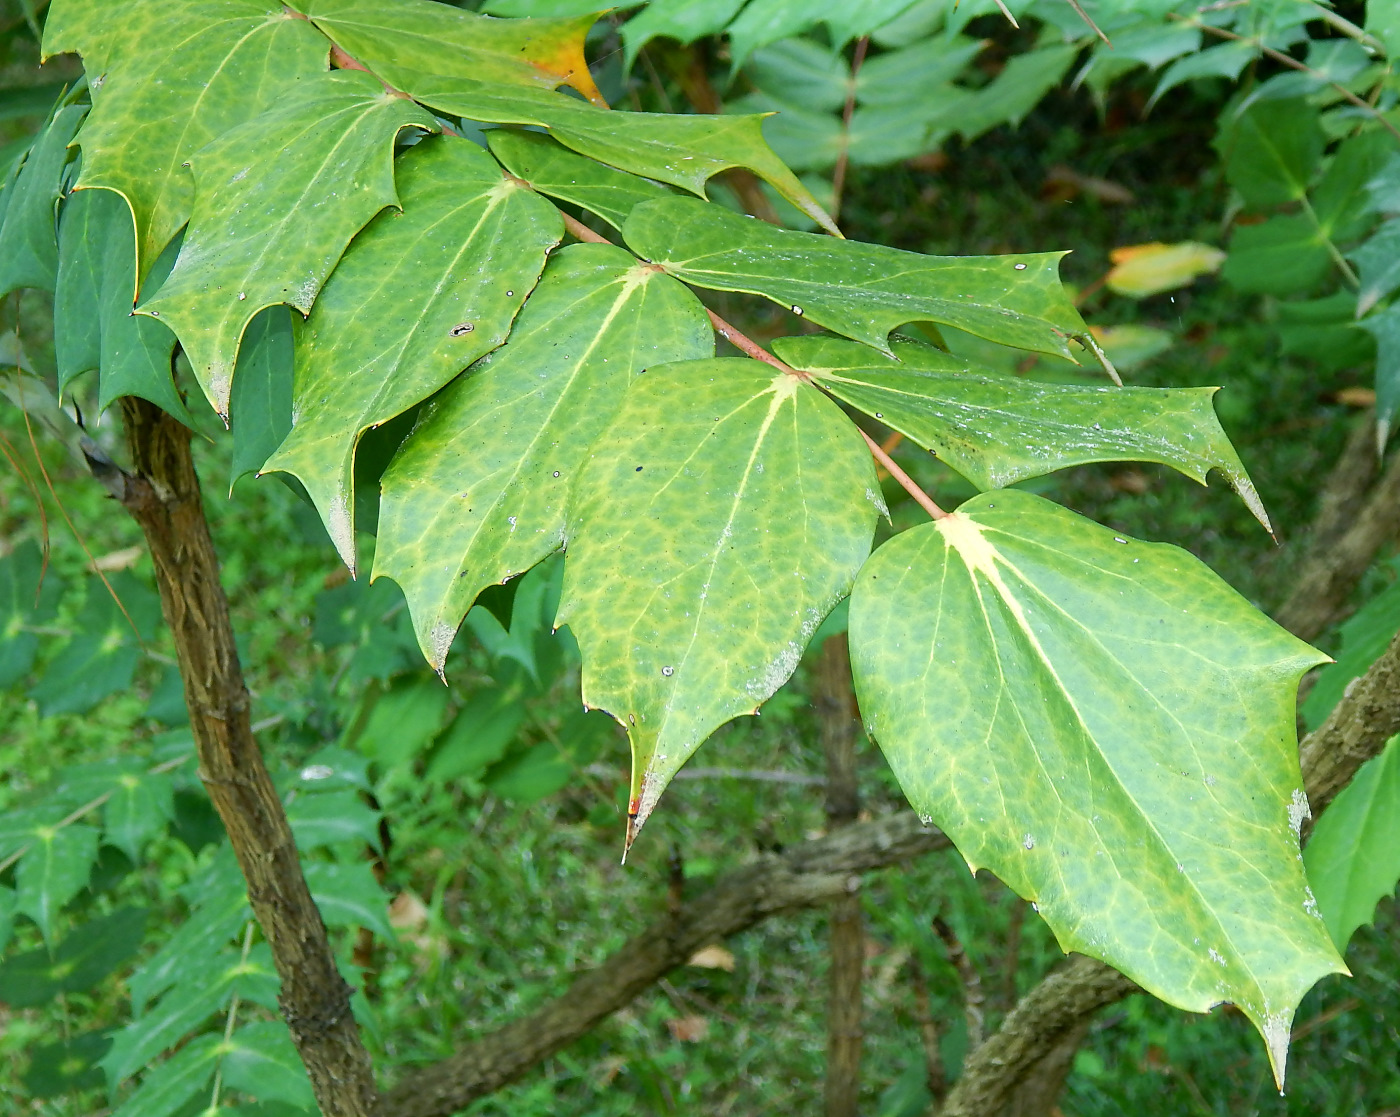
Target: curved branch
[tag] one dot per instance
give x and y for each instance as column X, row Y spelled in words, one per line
column 809, row 874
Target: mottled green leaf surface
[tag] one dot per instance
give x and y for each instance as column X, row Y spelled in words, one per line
column 551, row 168
column 860, row 290
column 421, row 294
column 1353, row 858
column 28, row 597
column 997, row 429
column 28, row 231
column 189, row 71
column 440, row 39
column 94, row 327
column 268, row 228
column 684, row 151
column 1109, row 728
column 477, row 493
column 140, row 807
column 53, row 872
column 717, row 521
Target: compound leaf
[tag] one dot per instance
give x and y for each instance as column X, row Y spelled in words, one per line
column 684, row 151
column 1353, row 859
column 421, row 294
column 268, row 228
column 551, row 168
column 477, row 493
column 167, row 1088
column 1109, row 728
column 439, row 39
column 997, row 429
column 187, row 72
column 860, row 290
column 691, row 598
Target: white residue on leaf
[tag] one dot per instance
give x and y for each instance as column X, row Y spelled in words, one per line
column 1028, row 841
column 317, row 772
column 776, row 673
column 1217, row 957
column 440, row 639
column 1310, row 903
column 1298, row 811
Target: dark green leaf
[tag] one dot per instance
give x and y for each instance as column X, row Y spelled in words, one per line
column 330, row 817
column 140, row 807
column 904, row 77
column 1384, row 326
column 803, row 73
column 260, row 1061
column 421, row 294
column 1011, row 95
column 1353, row 858
column 860, row 290
column 28, row 597
column 171, row 76
column 682, row 20
column 997, row 429
column 1384, row 186
column 478, row 736
column 166, row 1089
column 8, row 899
column 691, row 601
column 267, row 229
column 261, row 402
column 53, row 871
column 1272, row 151
column 1326, row 331
column 766, row 21
column 67, row 1066
column 218, row 917
column 402, row 722
column 849, row 21
column 1223, row 61
column 349, row 896
column 1109, row 728
column 18, row 827
column 28, row 231
column 334, row 769
column 1340, row 200
column 551, row 168
column 100, row 658
column 1283, row 256
column 92, row 951
column 491, row 494
column 94, row 327
column 1378, row 261
column 530, row 774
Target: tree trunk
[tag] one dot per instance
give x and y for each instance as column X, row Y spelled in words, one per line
column 163, row 496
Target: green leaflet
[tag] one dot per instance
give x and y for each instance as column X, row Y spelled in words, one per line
column 421, row 294
column 1012, row 94
column 28, row 240
column 268, row 229
column 1376, row 261
column 724, row 513
column 1282, row 256
column 860, row 290
column 260, row 407
column 996, row 430
column 261, row 1061
column 553, row 169
column 1353, row 858
column 682, row 20
column 1272, row 150
column 1384, row 326
column 766, row 21
column 167, row 1088
column 53, row 871
column 140, row 808
column 92, row 951
column 439, row 39
column 477, row 493
column 684, row 151
column 187, row 71
column 1109, row 728
column 94, row 327
column 28, row 597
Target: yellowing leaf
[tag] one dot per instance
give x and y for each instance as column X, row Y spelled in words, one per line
column 1149, row 269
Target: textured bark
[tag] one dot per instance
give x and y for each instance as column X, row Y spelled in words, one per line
column 1041, row 1028
column 163, row 496
column 807, row 875
column 835, row 702
column 1349, row 534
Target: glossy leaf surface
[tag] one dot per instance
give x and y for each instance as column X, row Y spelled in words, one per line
column 860, row 290
column 552, row 169
column 440, row 39
column 1109, row 728
column 691, row 599
column 268, row 229
column 421, row 294
column 94, row 327
column 997, row 429
column 477, row 493
column 1353, row 858
column 189, row 71
column 684, row 151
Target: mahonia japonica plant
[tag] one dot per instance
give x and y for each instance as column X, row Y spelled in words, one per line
column 1100, row 721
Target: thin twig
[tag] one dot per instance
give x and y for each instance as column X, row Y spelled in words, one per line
column 969, row 978
column 906, row 482
column 1293, row 64
column 1086, row 18
column 229, row 1022
column 1011, row 19
column 838, row 176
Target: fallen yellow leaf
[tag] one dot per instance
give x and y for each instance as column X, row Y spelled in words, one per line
column 1148, row 269
column 713, row 957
